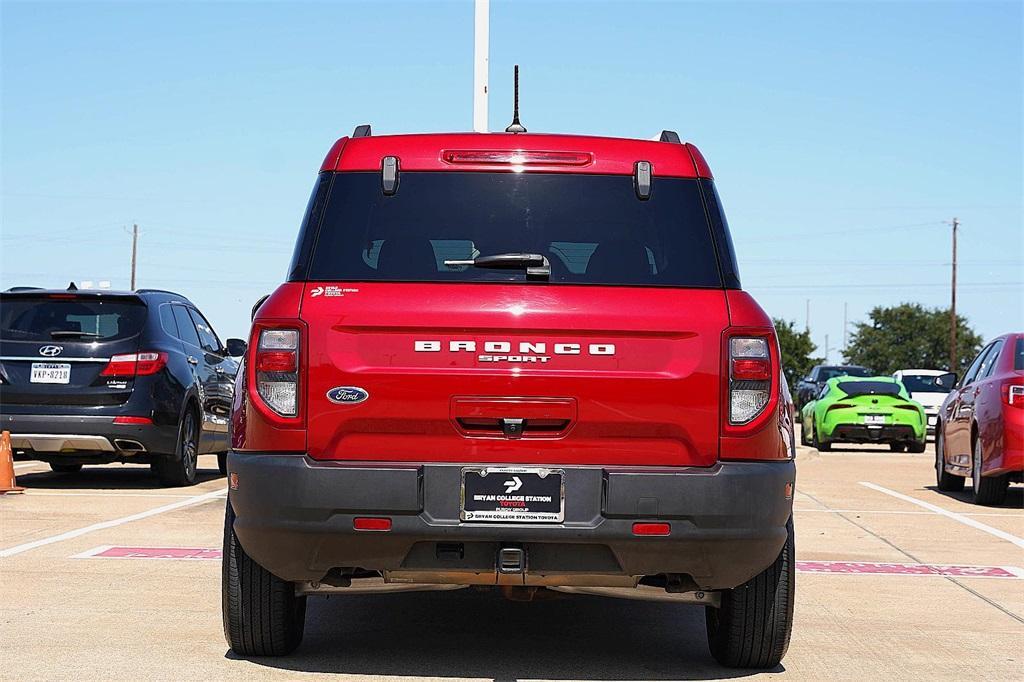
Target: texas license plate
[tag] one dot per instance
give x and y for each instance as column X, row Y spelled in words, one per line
column 874, row 419
column 518, row 494
column 50, row 373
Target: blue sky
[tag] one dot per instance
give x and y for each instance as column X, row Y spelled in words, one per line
column 842, row 135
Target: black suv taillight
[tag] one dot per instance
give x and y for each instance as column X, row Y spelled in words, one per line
column 276, row 364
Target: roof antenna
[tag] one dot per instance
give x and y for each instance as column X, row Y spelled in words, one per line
column 516, row 126
column 72, row 287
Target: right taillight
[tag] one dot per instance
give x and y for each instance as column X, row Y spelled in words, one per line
column 276, row 364
column 750, row 378
column 1013, row 393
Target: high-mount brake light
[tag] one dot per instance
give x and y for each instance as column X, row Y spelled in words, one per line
column 505, row 157
column 277, row 370
column 134, row 364
column 750, row 374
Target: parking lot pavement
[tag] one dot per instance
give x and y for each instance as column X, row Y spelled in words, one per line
column 866, row 606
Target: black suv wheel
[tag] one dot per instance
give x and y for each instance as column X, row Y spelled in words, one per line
column 180, row 469
column 752, row 627
column 262, row 614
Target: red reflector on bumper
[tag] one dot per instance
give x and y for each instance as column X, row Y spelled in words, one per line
column 132, row 420
column 365, row 523
column 651, row 529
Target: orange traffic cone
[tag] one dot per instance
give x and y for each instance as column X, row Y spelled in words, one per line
column 7, row 482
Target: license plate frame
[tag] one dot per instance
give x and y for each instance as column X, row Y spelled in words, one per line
column 512, row 494
column 876, row 419
column 50, row 373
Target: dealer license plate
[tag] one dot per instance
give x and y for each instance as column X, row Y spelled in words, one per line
column 50, row 373
column 874, row 419
column 518, row 494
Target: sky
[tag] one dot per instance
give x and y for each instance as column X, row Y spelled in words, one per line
column 844, row 137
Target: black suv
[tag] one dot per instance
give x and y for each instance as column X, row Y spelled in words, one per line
column 809, row 386
column 97, row 376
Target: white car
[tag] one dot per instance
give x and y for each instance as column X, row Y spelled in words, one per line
column 928, row 387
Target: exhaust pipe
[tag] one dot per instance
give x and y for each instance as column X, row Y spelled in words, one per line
column 129, row 446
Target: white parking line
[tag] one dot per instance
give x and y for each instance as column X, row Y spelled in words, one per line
column 25, row 465
column 900, row 512
column 18, row 549
column 1003, row 535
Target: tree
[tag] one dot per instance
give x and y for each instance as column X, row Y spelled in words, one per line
column 796, row 348
column 910, row 336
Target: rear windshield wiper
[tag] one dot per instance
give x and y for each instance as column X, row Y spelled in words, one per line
column 537, row 266
column 71, row 333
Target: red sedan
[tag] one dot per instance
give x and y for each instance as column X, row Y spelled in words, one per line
column 981, row 424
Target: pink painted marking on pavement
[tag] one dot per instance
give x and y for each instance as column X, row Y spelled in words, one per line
column 830, row 567
column 876, row 568
column 157, row 553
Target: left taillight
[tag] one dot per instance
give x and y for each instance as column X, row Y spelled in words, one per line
column 750, row 378
column 276, row 365
column 135, row 364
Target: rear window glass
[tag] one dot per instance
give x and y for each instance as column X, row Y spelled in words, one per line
column 924, row 383
column 591, row 228
column 32, row 318
column 827, row 373
column 1018, row 356
column 855, row 388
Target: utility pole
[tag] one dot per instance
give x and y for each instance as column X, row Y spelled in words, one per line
column 846, row 308
column 807, row 317
column 826, row 348
column 135, row 245
column 481, row 60
column 952, row 307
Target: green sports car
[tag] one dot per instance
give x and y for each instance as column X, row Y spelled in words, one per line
column 863, row 410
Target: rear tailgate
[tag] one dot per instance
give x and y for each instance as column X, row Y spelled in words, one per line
column 54, row 347
column 599, row 375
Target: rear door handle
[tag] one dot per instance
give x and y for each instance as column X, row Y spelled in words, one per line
column 191, row 360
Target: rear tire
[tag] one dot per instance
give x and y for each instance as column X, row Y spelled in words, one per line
column 917, row 448
column 752, row 627
column 816, row 442
column 803, row 435
column 181, row 468
column 262, row 615
column 988, row 490
column 222, row 463
column 65, row 468
column 897, row 447
column 944, row 480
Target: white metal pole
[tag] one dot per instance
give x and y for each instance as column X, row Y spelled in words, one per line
column 481, row 52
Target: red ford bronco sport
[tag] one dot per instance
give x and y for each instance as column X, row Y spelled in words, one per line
column 514, row 360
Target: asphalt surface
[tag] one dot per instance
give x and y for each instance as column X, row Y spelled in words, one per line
column 64, row 615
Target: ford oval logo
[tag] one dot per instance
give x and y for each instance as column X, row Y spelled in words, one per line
column 347, row 395
column 51, row 351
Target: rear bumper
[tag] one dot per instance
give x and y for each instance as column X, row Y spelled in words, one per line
column 85, row 438
column 295, row 517
column 862, row 433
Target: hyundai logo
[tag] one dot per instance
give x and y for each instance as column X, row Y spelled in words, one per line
column 51, row 351
column 347, row 395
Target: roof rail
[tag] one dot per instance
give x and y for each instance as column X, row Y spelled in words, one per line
column 159, row 291
column 362, row 131
column 669, row 136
